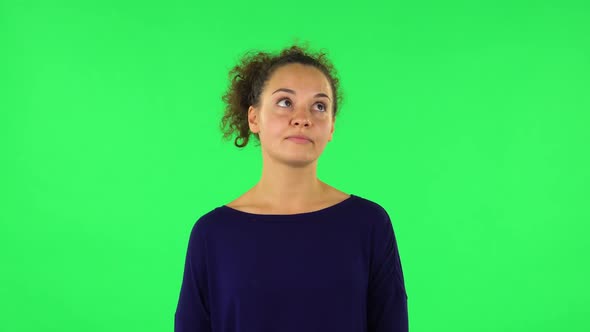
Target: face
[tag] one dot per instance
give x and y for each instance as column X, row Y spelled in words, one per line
column 296, row 100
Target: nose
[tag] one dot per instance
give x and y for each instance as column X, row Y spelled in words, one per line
column 301, row 117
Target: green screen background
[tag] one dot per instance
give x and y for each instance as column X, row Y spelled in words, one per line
column 467, row 121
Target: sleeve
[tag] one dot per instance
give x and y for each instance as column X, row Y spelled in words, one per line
column 192, row 311
column 387, row 297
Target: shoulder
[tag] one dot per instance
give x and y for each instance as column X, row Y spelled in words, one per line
column 204, row 222
column 371, row 207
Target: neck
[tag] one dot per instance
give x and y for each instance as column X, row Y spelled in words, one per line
column 289, row 187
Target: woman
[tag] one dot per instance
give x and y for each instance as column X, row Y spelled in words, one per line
column 292, row 253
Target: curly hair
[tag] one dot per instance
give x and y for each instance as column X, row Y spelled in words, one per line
column 248, row 79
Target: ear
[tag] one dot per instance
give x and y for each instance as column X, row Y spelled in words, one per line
column 253, row 119
column 332, row 130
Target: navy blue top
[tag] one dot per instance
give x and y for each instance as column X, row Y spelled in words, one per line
column 335, row 269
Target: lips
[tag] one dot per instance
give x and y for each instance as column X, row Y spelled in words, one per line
column 300, row 137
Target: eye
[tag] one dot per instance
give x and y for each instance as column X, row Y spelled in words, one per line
column 285, row 99
column 322, row 109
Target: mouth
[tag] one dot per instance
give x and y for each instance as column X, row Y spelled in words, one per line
column 299, row 139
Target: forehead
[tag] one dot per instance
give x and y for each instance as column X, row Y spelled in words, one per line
column 299, row 77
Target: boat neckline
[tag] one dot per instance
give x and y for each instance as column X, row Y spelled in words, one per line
column 293, row 215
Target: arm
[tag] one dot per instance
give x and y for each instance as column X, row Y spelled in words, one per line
column 192, row 311
column 387, row 297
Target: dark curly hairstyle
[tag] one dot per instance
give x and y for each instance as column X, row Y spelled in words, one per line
column 248, row 79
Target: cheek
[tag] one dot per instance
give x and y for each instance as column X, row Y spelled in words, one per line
column 275, row 126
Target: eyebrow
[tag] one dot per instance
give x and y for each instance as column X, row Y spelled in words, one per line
column 293, row 92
